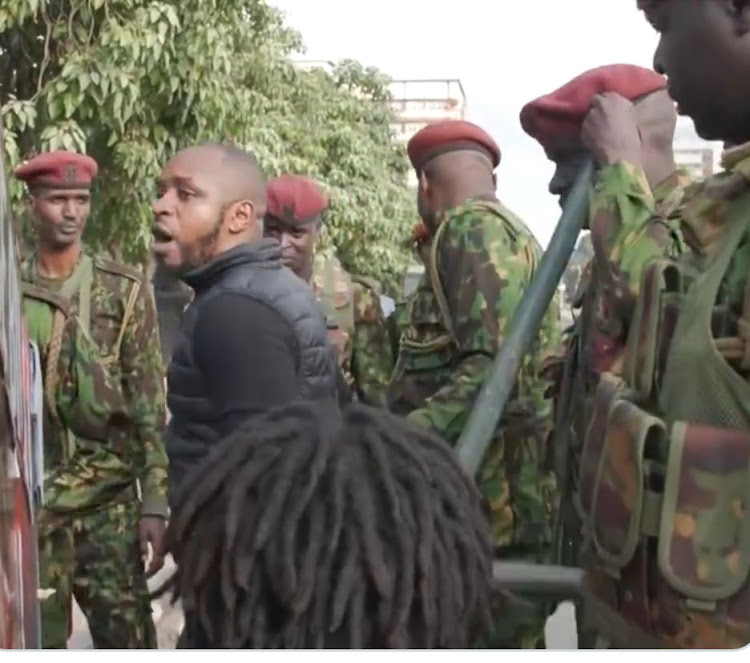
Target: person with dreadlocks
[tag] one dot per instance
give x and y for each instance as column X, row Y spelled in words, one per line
column 313, row 529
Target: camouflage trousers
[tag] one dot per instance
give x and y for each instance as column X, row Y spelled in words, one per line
column 518, row 625
column 94, row 556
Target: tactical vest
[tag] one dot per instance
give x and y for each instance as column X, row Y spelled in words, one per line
column 665, row 470
column 84, row 401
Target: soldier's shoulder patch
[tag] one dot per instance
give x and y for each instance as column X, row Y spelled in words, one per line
column 118, row 269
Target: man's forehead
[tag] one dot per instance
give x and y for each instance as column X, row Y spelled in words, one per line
column 194, row 162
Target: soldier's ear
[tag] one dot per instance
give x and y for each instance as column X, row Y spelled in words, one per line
column 494, row 180
column 424, row 183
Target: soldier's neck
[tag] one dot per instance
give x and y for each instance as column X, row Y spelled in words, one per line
column 57, row 263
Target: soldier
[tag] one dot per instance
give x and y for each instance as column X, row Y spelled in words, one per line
column 596, row 342
column 95, row 325
column 671, row 443
column 481, row 258
column 351, row 304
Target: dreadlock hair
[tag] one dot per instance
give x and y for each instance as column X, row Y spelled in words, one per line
column 312, row 528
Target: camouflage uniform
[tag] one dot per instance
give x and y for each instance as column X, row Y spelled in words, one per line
column 356, row 328
column 481, row 259
column 621, row 203
column 104, row 423
column 667, row 460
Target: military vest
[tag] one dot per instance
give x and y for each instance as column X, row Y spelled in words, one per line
column 84, row 401
column 665, row 470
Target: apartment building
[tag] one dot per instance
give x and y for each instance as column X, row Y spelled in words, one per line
column 418, row 102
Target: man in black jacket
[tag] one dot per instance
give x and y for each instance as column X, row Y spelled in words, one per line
column 252, row 338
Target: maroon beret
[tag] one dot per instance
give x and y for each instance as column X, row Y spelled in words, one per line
column 447, row 136
column 562, row 112
column 60, row 170
column 294, row 199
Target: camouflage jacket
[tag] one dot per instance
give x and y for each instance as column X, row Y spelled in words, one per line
column 667, row 468
column 357, row 328
column 105, row 407
column 631, row 225
column 481, row 260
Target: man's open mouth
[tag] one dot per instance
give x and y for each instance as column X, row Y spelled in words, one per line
column 161, row 235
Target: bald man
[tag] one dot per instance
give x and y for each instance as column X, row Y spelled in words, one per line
column 252, row 338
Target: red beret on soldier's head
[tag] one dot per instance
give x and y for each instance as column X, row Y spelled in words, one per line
column 448, row 136
column 562, row 112
column 58, row 170
column 294, row 199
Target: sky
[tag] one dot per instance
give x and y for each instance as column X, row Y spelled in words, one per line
column 505, row 53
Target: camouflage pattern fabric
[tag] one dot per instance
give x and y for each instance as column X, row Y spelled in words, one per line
column 357, row 328
column 104, row 414
column 480, row 261
column 81, row 472
column 674, row 445
column 484, row 259
column 631, row 226
column 95, row 557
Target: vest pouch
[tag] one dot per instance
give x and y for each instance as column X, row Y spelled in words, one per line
column 704, row 538
column 622, row 508
column 610, row 387
column 654, row 317
column 89, row 397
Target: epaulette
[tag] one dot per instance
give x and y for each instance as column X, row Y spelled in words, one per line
column 118, row 269
column 368, row 282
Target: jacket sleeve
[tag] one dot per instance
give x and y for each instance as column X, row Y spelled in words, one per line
column 627, row 233
column 484, row 272
column 143, row 386
column 372, row 352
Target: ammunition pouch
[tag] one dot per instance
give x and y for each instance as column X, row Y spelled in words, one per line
column 593, row 446
column 623, row 510
column 663, row 285
column 682, row 495
column 704, row 536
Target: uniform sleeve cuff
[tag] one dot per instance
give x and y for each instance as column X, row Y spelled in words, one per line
column 611, row 179
column 154, row 506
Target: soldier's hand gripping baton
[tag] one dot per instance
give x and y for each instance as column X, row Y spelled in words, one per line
column 492, row 399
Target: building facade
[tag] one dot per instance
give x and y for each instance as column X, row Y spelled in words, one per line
column 700, row 158
column 419, row 102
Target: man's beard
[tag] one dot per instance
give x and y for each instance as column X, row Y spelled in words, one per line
column 203, row 251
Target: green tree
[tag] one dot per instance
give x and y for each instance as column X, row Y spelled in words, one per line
column 132, row 81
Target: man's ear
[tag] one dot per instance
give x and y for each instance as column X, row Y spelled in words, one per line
column 241, row 216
